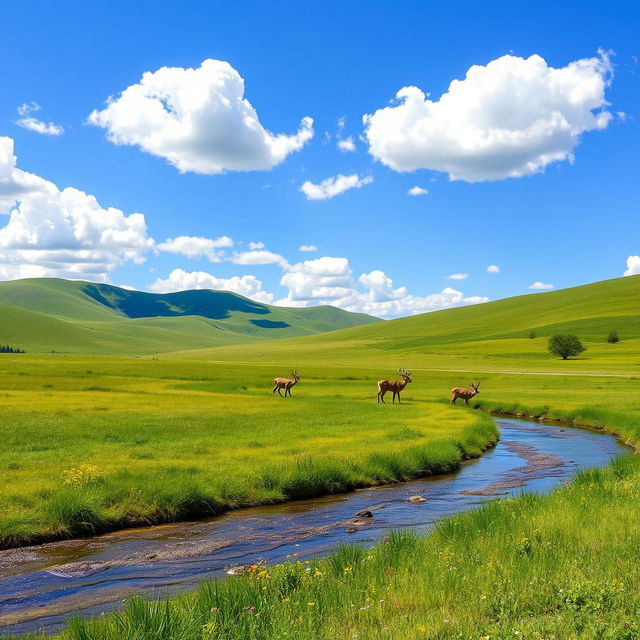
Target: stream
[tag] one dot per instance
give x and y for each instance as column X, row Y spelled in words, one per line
column 42, row 585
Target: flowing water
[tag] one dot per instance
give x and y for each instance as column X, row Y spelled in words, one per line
column 41, row 585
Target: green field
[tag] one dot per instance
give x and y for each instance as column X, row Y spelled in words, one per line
column 95, row 443
column 561, row 566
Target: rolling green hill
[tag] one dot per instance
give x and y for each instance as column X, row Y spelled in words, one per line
column 46, row 314
column 488, row 336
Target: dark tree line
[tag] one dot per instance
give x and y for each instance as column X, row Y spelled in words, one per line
column 5, row 348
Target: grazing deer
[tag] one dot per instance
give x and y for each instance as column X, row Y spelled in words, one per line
column 395, row 386
column 286, row 384
column 465, row 394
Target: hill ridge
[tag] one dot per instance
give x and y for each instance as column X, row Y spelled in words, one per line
column 108, row 318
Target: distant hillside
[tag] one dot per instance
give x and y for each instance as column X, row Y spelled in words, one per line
column 493, row 334
column 45, row 314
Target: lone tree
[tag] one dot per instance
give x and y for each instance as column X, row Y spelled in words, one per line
column 565, row 346
column 613, row 337
column 532, row 335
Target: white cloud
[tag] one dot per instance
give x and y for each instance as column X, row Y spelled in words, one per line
column 180, row 280
column 493, row 268
column 508, row 119
column 307, row 247
column 198, row 120
column 324, row 278
column 27, row 121
column 329, row 280
column 347, row 144
column 256, row 245
column 43, row 128
column 260, row 256
column 334, row 186
column 418, row 191
column 197, row 247
column 458, row 276
column 540, row 286
column 62, row 233
column 633, row 266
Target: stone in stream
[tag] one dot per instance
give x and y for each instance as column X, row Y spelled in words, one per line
column 237, row 569
column 365, row 513
column 351, row 530
column 416, row 499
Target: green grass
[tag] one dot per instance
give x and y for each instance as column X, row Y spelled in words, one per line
column 559, row 566
column 91, row 444
column 533, row 567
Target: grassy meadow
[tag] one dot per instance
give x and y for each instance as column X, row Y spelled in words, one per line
column 559, row 566
column 93, row 442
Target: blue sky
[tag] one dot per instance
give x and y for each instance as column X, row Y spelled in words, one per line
column 571, row 218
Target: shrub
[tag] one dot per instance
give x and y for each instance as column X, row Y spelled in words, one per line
column 532, row 334
column 565, row 346
column 613, row 337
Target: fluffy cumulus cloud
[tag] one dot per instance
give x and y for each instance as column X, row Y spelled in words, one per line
column 418, row 191
column 180, row 280
column 197, row 247
column 493, row 268
column 27, row 121
column 540, row 286
column 458, row 276
column 258, row 256
column 334, row 186
column 330, row 280
column 326, row 280
column 198, row 120
column 256, row 245
column 510, row 118
column 347, row 144
column 633, row 266
column 64, row 233
column 322, row 279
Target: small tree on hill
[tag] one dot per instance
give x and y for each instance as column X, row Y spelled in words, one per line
column 613, row 337
column 532, row 334
column 565, row 346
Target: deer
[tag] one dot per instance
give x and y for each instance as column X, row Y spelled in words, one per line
column 286, row 384
column 395, row 386
column 466, row 394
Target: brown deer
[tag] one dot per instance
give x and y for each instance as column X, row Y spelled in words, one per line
column 465, row 394
column 395, row 386
column 286, row 384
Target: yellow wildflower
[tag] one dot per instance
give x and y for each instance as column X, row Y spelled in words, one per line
column 84, row 474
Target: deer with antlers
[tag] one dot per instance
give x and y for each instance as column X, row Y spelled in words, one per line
column 464, row 393
column 395, row 386
column 286, row 384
